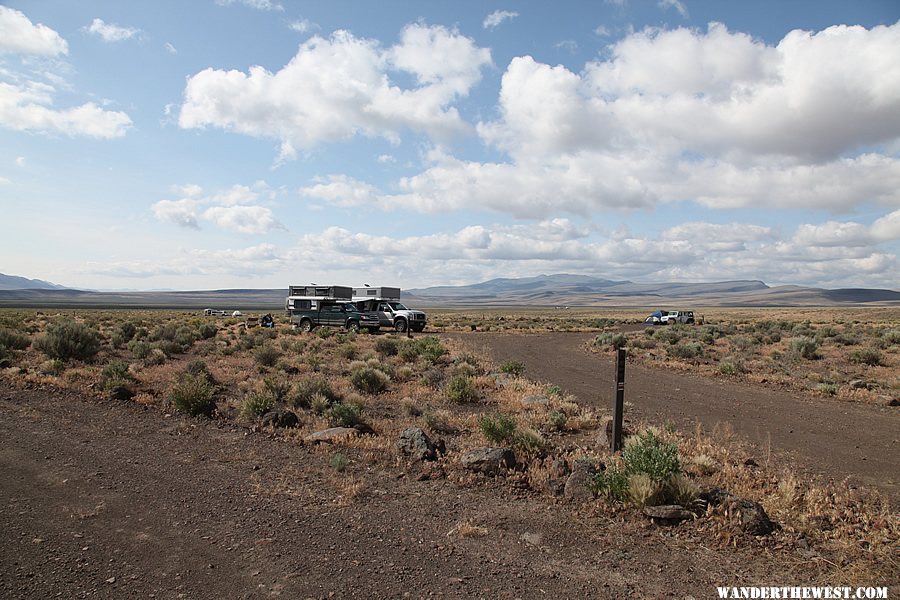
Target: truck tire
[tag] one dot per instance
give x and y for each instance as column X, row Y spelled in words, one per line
column 353, row 326
column 400, row 325
column 306, row 325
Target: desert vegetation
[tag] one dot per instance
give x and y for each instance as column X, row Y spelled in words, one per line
column 427, row 405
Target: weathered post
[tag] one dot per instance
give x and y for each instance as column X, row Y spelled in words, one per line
column 619, row 408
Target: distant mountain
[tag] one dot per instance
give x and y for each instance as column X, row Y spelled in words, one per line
column 12, row 282
column 543, row 290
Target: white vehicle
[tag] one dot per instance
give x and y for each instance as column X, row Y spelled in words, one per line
column 384, row 302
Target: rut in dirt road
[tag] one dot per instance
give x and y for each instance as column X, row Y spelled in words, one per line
column 837, row 439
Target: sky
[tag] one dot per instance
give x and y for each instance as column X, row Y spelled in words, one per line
column 219, row 144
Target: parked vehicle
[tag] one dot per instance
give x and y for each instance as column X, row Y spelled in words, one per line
column 656, row 318
column 309, row 307
column 678, row 316
column 211, row 312
column 384, row 303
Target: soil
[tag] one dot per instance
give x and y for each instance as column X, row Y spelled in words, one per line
column 814, row 435
column 110, row 499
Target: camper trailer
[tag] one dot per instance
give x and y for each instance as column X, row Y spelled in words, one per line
column 384, row 303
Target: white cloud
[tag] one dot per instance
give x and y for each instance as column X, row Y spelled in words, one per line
column 302, row 25
column 20, row 36
column 676, row 4
column 602, row 31
column 567, row 45
column 252, row 262
column 178, row 212
column 243, row 219
column 341, row 190
column 109, row 32
column 170, row 48
column 337, row 88
column 27, row 108
column 233, row 210
column 498, row 16
column 256, row 4
column 20, row 161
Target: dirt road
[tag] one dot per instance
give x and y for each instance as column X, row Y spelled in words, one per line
column 835, row 438
column 104, row 499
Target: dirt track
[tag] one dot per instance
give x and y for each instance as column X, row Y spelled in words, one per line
column 109, row 500
column 833, row 438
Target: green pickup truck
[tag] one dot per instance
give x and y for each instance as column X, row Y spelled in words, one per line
column 308, row 314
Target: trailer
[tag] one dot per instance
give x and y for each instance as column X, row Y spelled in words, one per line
column 384, row 303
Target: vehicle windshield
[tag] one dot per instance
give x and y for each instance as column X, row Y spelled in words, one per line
column 397, row 306
column 350, row 308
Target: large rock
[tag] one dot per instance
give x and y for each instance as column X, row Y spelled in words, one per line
column 280, row 417
column 668, row 514
column 750, row 516
column 121, row 392
column 334, row 434
column 416, row 444
column 579, row 485
column 489, row 461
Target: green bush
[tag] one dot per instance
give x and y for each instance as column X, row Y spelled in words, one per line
column 429, row 348
column 122, row 334
column 647, row 453
column 67, row 340
column 344, row 414
column 306, row 389
column 461, row 389
column 688, row 350
column 115, row 374
column 806, row 347
column 513, row 367
column 828, row 389
column 369, row 379
column 498, row 429
column 13, row 340
column 891, row 336
column 192, row 394
column 610, row 340
column 257, row 404
column 266, row 355
column 339, row 462
column 650, row 473
column 277, row 388
column 139, row 348
column 386, row 346
column 207, row 331
column 866, row 356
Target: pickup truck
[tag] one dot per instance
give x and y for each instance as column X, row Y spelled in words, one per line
column 308, row 314
column 393, row 314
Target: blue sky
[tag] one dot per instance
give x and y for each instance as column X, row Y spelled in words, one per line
column 254, row 143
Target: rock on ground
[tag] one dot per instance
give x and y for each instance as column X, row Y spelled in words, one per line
column 489, row 461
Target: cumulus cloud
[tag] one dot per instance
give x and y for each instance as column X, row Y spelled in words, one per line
column 253, row 261
column 302, row 25
column 676, row 4
column 498, row 16
column 27, row 107
column 336, row 88
column 20, row 36
column 109, row 32
column 234, row 209
column 256, row 4
column 340, row 190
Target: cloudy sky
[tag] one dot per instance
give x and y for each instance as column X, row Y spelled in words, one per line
column 261, row 143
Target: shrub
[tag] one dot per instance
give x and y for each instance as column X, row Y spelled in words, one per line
column 461, row 389
column 166, row 331
column 433, row 377
column 369, row 380
column 139, row 348
column 556, row 420
column 115, row 374
column 647, row 453
column 257, row 404
column 866, row 356
column 307, row 389
column 339, row 462
column 207, row 331
column 689, row 350
column 846, row 339
column 192, row 394
column 53, row 366
column 67, row 339
column 891, row 336
column 806, row 347
column 513, row 367
column 829, row 389
column 386, row 346
column 198, row 367
column 155, row 357
column 122, row 334
column 610, row 340
column 345, row 414
column 277, row 388
column 732, row 366
column 440, row 422
column 429, row 348
column 346, row 350
column 13, row 340
column 266, row 355
column 498, row 429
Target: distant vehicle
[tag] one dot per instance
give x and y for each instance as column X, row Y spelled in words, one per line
column 678, row 316
column 211, row 312
column 656, row 318
column 237, row 313
column 384, row 303
column 309, row 307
